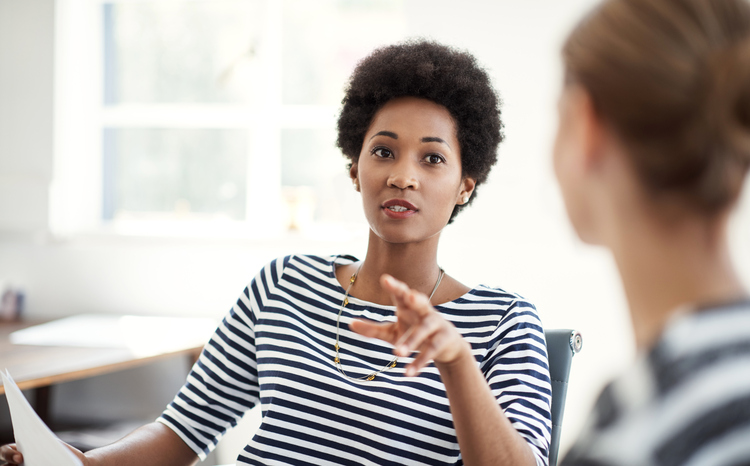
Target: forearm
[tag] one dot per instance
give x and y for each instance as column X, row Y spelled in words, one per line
column 151, row 445
column 485, row 435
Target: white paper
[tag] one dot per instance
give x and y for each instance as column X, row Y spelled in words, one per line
column 142, row 335
column 40, row 447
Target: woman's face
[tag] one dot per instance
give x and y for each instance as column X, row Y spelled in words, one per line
column 409, row 170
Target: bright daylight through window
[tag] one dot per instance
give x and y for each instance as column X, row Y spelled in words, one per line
column 210, row 115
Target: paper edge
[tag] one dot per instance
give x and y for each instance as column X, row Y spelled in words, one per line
column 6, row 378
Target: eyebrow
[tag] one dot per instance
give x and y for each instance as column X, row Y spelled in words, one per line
column 393, row 135
column 434, row 139
column 386, row 133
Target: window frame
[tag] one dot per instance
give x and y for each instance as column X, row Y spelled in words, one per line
column 81, row 116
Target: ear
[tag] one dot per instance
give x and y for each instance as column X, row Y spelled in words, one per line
column 592, row 131
column 354, row 175
column 467, row 188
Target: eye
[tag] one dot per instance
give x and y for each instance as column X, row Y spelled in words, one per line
column 435, row 159
column 382, row 152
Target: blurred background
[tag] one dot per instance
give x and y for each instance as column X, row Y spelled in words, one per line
column 154, row 154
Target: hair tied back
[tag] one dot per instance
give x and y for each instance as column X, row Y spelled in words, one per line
column 729, row 101
column 672, row 77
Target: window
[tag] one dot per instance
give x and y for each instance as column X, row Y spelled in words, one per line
column 214, row 114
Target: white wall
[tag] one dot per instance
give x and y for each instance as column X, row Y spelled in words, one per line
column 516, row 236
column 26, row 81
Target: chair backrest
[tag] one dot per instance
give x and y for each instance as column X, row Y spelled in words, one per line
column 562, row 344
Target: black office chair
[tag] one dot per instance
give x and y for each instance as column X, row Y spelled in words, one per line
column 562, row 345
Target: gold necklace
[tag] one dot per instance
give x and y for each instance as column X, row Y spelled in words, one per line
column 394, row 361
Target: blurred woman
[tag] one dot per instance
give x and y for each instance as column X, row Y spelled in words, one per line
column 652, row 151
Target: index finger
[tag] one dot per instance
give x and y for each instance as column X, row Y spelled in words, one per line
column 396, row 288
column 404, row 297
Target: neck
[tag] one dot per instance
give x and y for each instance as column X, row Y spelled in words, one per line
column 412, row 263
column 667, row 267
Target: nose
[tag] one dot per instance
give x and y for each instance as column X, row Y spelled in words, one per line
column 403, row 176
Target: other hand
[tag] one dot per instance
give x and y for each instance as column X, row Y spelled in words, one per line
column 10, row 454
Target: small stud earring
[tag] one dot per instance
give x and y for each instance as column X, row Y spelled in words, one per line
column 466, row 199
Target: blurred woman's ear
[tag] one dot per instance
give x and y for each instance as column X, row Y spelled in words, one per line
column 587, row 126
column 582, row 145
column 578, row 145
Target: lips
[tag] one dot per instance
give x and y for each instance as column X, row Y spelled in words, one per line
column 399, row 208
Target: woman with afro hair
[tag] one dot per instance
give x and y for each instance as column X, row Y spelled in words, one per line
column 387, row 359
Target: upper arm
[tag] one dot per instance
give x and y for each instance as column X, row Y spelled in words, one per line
column 223, row 384
column 151, row 445
column 517, row 371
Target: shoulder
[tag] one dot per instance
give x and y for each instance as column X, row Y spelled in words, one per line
column 298, row 271
column 485, row 299
column 710, row 345
column 305, row 263
column 700, row 370
column 495, row 295
column 296, row 276
column 689, row 397
column 497, row 313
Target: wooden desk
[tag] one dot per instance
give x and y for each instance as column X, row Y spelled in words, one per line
column 40, row 367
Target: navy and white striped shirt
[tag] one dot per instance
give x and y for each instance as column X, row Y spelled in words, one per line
column 276, row 347
column 685, row 402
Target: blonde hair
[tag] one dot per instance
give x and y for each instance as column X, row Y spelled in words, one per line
column 672, row 78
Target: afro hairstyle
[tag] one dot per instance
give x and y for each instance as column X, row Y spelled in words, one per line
column 432, row 71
